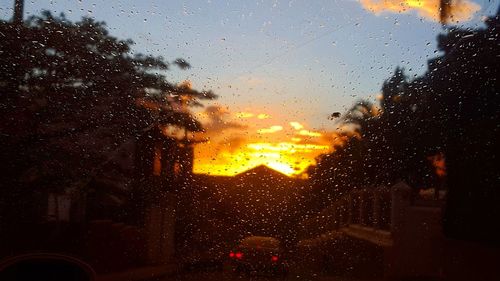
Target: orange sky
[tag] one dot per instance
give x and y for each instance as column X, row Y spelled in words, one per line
column 242, row 140
column 429, row 9
column 275, row 134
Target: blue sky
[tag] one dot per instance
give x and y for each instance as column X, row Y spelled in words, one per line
column 293, row 59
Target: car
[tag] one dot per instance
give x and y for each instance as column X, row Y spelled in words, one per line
column 203, row 259
column 258, row 255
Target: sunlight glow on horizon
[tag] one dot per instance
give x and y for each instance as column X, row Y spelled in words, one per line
column 245, row 140
column 288, row 158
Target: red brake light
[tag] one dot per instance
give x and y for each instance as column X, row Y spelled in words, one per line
column 231, row 255
column 274, row 258
column 239, row 255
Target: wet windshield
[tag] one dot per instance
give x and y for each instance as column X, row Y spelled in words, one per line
column 260, row 242
column 164, row 140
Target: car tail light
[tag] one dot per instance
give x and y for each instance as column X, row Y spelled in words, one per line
column 231, row 255
column 274, row 258
column 239, row 255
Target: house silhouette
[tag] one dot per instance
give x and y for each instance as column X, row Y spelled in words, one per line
column 262, row 172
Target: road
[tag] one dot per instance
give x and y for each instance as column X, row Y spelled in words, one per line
column 229, row 276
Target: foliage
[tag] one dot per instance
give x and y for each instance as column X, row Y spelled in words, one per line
column 451, row 109
column 71, row 94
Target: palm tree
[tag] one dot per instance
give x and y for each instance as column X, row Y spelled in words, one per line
column 18, row 12
column 444, row 11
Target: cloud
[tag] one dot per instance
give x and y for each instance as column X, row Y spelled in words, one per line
column 263, row 116
column 243, row 115
column 217, row 120
column 338, row 137
column 460, row 10
column 309, row 133
column 246, row 114
column 231, row 144
column 287, row 147
column 270, row 130
column 296, row 125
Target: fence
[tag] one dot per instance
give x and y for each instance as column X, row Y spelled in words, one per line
column 396, row 230
column 369, row 208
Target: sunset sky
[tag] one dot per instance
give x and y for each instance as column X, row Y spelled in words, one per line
column 280, row 67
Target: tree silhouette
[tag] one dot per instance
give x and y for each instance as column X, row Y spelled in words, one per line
column 451, row 110
column 465, row 82
column 71, row 94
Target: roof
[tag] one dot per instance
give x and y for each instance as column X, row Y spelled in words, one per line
column 262, row 171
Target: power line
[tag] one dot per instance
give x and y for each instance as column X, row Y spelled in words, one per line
column 299, row 46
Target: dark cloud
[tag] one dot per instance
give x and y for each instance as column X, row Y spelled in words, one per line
column 217, row 116
column 231, row 144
